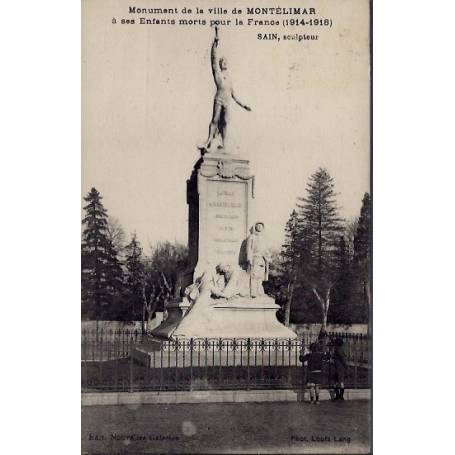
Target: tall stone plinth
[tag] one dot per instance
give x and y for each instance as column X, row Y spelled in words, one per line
column 220, row 192
column 219, row 196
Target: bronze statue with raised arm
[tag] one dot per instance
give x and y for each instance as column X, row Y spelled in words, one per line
column 221, row 104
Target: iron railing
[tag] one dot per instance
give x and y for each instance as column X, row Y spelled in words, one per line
column 129, row 360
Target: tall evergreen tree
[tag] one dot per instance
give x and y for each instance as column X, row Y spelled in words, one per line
column 362, row 251
column 134, row 280
column 342, row 309
column 101, row 276
column 290, row 261
column 318, row 236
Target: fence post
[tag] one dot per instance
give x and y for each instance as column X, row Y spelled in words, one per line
column 255, row 363
column 248, row 364
column 176, row 363
column 262, row 349
column 148, row 364
column 130, row 351
column 161, row 364
column 233, row 358
column 276, row 345
column 205, row 345
column 183, row 364
column 220, row 372
column 213, row 370
column 289, row 347
column 116, row 353
column 356, row 360
column 191, row 364
column 109, row 341
column 302, row 370
column 100, row 360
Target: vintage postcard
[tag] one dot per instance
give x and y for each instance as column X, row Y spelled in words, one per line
column 226, row 227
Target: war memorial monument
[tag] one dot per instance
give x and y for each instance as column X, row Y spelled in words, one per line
column 221, row 294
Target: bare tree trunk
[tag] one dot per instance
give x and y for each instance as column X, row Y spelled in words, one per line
column 165, row 283
column 325, row 304
column 326, row 308
column 144, row 310
column 324, row 322
column 368, row 294
column 143, row 320
column 152, row 309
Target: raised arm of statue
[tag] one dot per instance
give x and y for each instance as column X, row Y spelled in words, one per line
column 224, row 93
column 214, row 57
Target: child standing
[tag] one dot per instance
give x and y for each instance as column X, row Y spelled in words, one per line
column 315, row 360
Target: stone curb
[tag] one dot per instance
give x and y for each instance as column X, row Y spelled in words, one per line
column 210, row 396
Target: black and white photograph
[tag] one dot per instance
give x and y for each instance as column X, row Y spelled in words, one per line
column 226, row 227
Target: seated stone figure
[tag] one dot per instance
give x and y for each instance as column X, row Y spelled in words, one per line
column 236, row 279
column 210, row 283
column 227, row 281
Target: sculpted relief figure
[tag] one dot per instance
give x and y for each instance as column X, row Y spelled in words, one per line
column 209, row 284
column 227, row 281
column 236, row 281
column 258, row 260
column 221, row 104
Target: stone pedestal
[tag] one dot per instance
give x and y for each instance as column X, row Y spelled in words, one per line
column 237, row 318
column 219, row 196
column 176, row 310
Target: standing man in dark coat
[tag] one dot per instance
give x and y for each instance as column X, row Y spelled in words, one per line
column 339, row 365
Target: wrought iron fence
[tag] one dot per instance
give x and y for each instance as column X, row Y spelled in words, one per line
column 129, row 360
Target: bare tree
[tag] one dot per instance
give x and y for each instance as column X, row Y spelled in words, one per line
column 116, row 234
column 161, row 278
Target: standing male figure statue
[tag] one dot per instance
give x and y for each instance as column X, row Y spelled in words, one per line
column 224, row 93
column 258, row 260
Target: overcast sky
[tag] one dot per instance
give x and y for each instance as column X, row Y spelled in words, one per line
column 147, row 101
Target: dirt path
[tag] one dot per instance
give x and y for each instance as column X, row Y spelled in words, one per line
column 226, row 428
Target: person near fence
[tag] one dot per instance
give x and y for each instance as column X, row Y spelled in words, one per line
column 324, row 341
column 338, row 369
column 315, row 360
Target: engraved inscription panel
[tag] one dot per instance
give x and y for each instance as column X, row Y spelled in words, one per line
column 227, row 208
